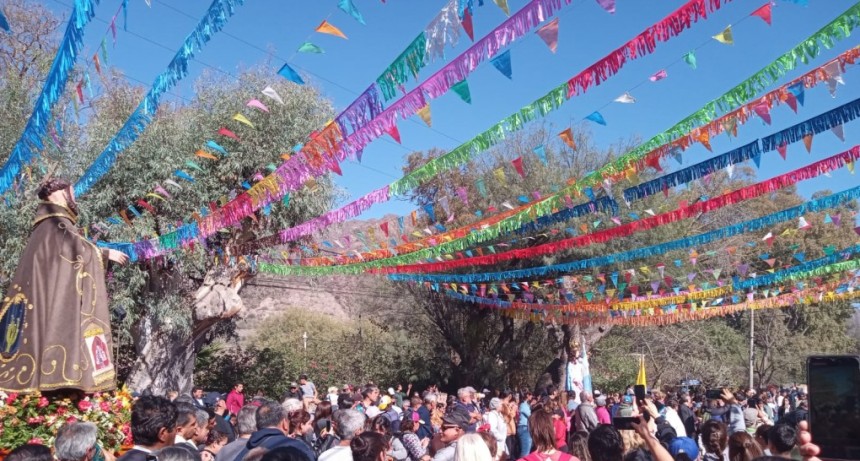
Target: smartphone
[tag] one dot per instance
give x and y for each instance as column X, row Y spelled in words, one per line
column 639, row 392
column 328, row 426
column 834, row 405
column 714, row 394
column 624, row 423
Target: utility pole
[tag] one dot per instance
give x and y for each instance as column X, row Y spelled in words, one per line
column 305, row 351
column 752, row 345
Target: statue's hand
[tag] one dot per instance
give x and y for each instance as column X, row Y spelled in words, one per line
column 117, row 257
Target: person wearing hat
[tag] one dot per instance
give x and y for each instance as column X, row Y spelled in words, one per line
column 454, row 425
column 386, row 405
column 684, row 445
column 294, row 392
column 54, row 317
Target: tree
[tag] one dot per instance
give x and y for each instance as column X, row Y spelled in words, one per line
column 153, row 305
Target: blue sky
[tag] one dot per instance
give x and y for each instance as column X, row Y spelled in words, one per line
column 586, row 34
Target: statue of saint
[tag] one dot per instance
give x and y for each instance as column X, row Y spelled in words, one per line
column 54, row 320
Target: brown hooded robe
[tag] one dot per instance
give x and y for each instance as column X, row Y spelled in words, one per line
column 54, row 321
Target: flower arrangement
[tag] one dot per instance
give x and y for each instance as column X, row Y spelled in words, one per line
column 34, row 418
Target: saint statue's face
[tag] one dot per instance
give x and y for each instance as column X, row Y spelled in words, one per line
column 66, row 198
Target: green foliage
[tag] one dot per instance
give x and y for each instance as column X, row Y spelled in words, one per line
column 337, row 352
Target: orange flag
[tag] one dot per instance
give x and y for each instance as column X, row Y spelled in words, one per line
column 567, row 137
column 204, row 154
column 704, row 137
column 326, row 28
column 807, row 141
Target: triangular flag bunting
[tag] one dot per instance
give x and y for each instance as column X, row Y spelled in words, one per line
column 690, row 59
column 567, row 137
column 270, row 92
column 502, row 62
column 327, row 28
column 725, row 36
column 763, row 12
column 466, row 22
column 241, row 119
column 518, row 165
column 839, row 131
column 608, row 5
column 597, row 118
column 225, row 132
column 424, row 113
column 309, row 47
column 503, row 4
column 349, row 8
column 798, row 91
column 394, row 133
column 626, row 98
column 549, row 34
column 660, row 75
column 257, row 104
column 290, row 74
column 807, row 141
column 763, row 111
column 462, row 90
column 782, row 149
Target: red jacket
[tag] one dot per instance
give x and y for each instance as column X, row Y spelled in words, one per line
column 560, row 433
column 235, row 402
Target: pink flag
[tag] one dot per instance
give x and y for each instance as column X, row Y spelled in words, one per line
column 259, row 105
column 659, row 75
column 608, row 5
column 763, row 12
column 464, row 195
column 763, row 111
column 549, row 34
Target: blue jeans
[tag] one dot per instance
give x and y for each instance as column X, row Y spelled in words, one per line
column 525, row 441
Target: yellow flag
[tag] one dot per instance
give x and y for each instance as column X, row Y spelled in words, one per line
column 424, row 113
column 241, row 119
column 503, row 4
column 725, row 36
column 500, row 175
column 327, row 28
column 640, row 377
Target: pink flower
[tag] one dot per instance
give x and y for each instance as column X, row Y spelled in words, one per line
column 36, row 441
column 105, row 406
column 84, row 405
column 10, row 399
column 71, row 419
column 43, row 402
column 61, row 411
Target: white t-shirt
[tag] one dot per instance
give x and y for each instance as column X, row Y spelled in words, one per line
column 338, row 453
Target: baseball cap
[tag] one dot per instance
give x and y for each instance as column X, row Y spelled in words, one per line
column 457, row 417
column 384, row 402
column 294, row 384
column 390, row 391
column 684, row 445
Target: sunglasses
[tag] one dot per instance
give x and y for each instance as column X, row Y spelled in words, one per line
column 445, row 428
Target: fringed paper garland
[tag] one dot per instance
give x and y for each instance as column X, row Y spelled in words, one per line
column 817, row 268
column 763, row 222
column 30, row 141
column 843, row 114
column 292, row 174
column 400, row 263
column 693, row 172
column 216, row 17
column 412, row 59
column 678, row 315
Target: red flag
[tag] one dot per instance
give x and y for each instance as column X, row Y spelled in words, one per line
column 807, row 141
column 518, row 165
column 97, row 63
column 763, row 12
column 335, row 167
column 791, row 101
column 225, row 132
column 145, row 204
column 394, row 133
column 384, row 227
column 763, row 111
column 782, row 148
column 467, row 24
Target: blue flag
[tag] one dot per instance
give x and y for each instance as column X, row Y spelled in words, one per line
column 502, row 62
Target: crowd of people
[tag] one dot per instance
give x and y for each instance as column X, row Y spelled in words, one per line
column 368, row 423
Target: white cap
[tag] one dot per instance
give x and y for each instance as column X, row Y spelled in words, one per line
column 390, row 391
